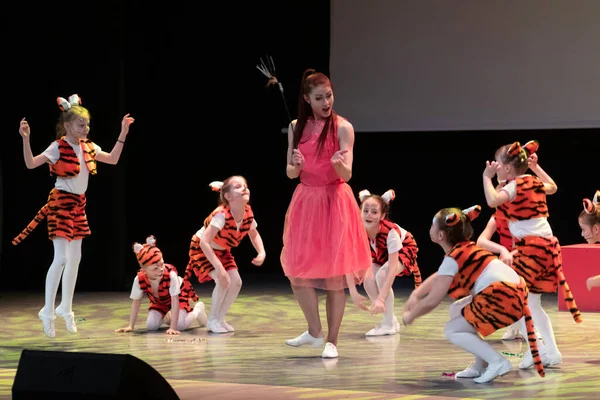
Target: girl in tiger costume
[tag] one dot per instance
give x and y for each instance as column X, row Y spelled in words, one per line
column 498, row 295
column 589, row 222
column 394, row 252
column 72, row 157
column 169, row 295
column 537, row 258
column 505, row 248
column 210, row 249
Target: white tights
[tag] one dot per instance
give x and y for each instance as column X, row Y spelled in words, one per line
column 372, row 285
column 462, row 334
column 185, row 320
column 543, row 324
column 65, row 264
column 222, row 298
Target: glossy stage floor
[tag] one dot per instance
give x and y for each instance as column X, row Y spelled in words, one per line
column 254, row 362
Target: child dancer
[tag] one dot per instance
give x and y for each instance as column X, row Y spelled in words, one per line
column 589, row 221
column 498, row 223
column 538, row 259
column 498, row 296
column 165, row 290
column 394, row 253
column 72, row 158
column 210, row 249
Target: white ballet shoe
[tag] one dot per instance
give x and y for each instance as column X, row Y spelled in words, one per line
column 382, row 330
column 214, row 326
column 225, row 325
column 468, row 372
column 494, row 370
column 305, row 338
column 69, row 319
column 48, row 321
column 330, row 351
column 549, row 360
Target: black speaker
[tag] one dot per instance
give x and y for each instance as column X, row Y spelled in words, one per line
column 65, row 375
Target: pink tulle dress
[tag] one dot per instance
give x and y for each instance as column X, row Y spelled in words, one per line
column 323, row 237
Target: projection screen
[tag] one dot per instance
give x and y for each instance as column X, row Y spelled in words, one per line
column 423, row 65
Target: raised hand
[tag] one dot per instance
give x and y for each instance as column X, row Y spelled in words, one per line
column 24, row 129
column 127, row 120
column 532, row 161
column 491, row 168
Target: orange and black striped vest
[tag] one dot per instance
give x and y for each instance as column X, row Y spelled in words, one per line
column 68, row 165
column 471, row 260
column 230, row 236
column 529, row 202
column 380, row 253
column 163, row 296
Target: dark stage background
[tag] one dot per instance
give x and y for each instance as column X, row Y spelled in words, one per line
column 202, row 114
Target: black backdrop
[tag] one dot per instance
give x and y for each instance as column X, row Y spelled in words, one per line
column 202, row 113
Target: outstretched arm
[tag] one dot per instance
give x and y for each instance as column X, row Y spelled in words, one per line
column 31, row 162
column 135, row 309
column 439, row 290
column 113, row 157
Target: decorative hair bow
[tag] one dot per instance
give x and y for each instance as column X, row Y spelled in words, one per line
column 216, row 186
column 65, row 105
column 386, row 197
column 471, row 213
column 590, row 206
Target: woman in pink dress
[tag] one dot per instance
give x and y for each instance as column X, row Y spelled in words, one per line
column 325, row 245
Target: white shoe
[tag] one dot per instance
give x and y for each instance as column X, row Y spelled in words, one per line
column 48, row 321
column 201, row 317
column 227, row 327
column 330, row 351
column 550, row 360
column 305, row 338
column 512, row 333
column 214, row 326
column 69, row 320
column 527, row 361
column 468, row 372
column 494, row 370
column 382, row 330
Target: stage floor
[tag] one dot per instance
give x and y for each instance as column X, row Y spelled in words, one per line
column 255, row 363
